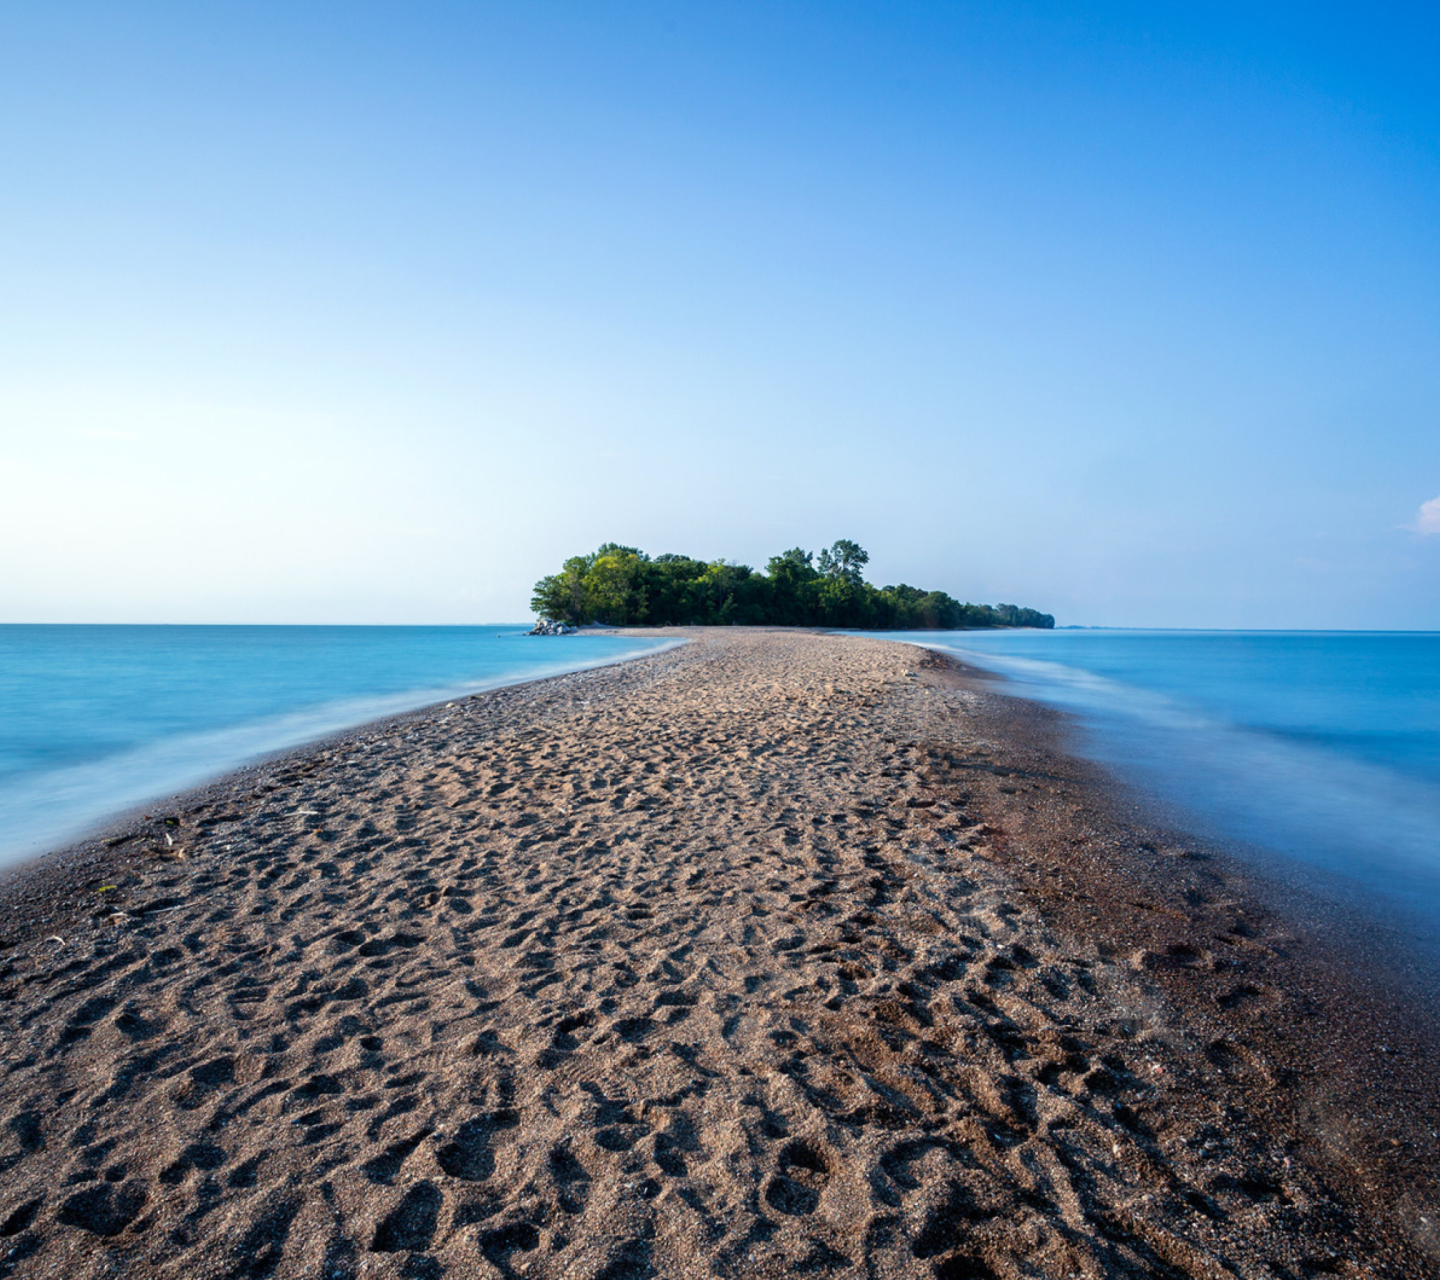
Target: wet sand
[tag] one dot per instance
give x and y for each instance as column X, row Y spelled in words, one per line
column 775, row 954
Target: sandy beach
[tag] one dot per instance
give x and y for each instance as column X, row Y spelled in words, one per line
column 774, row 954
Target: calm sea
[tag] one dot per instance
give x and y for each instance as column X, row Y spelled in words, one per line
column 95, row 720
column 1320, row 750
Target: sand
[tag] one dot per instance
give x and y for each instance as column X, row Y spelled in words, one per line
column 758, row 957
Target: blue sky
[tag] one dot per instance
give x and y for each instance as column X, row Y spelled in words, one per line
column 374, row 312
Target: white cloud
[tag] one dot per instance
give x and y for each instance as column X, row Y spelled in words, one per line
column 1428, row 520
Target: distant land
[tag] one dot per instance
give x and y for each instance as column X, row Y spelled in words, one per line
column 623, row 586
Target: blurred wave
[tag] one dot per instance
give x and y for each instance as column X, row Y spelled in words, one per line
column 1251, row 750
column 95, row 724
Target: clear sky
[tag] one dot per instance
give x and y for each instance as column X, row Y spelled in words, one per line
column 373, row 312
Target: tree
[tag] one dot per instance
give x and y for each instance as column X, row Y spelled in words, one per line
column 792, row 577
column 561, row 597
column 624, row 586
column 844, row 561
column 613, row 587
column 792, row 567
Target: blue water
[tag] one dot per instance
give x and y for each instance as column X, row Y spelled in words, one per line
column 1319, row 748
column 97, row 719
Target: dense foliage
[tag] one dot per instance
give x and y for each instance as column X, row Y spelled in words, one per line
column 623, row 586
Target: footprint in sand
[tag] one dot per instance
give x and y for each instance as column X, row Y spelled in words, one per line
column 410, row 1226
column 469, row 1155
column 103, row 1210
column 804, row 1171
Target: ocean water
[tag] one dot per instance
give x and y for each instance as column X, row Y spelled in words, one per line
column 1319, row 751
column 95, row 720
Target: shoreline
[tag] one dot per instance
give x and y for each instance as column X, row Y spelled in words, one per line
column 127, row 818
column 1315, row 1000
column 58, row 876
column 834, row 989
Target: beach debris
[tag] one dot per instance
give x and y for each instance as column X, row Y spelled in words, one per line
column 56, row 938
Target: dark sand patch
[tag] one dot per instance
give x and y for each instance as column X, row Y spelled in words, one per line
column 1324, row 1008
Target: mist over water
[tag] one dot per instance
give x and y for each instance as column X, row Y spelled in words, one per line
column 95, row 720
column 1320, row 751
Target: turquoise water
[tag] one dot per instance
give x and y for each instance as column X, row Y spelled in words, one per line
column 95, row 720
column 1320, row 748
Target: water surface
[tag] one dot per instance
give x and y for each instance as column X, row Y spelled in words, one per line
column 1320, row 748
column 97, row 719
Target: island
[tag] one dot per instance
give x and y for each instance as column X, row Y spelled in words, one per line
column 624, row 587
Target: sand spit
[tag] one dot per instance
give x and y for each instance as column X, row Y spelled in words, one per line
column 711, row 963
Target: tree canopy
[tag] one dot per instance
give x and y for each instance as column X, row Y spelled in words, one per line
column 622, row 586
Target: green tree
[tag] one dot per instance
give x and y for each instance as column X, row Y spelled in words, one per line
column 792, row 578
column 613, row 588
column 561, row 596
column 845, row 561
column 624, row 586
